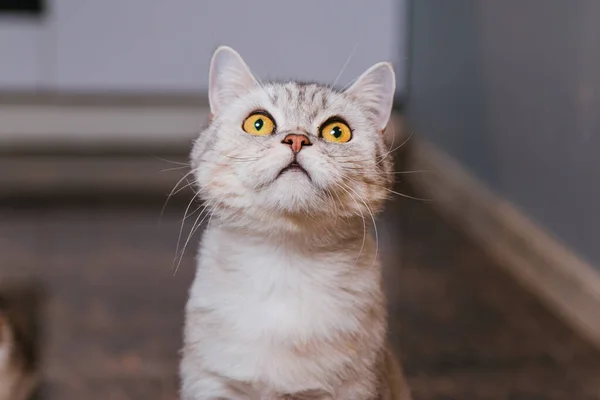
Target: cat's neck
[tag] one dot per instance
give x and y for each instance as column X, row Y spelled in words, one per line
column 237, row 252
column 300, row 234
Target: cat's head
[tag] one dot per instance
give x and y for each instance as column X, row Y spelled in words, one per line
column 291, row 150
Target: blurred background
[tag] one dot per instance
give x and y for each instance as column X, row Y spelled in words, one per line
column 492, row 269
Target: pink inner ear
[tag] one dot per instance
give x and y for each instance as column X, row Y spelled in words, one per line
column 210, row 117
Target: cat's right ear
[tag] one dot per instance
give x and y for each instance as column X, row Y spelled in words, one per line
column 375, row 90
column 229, row 78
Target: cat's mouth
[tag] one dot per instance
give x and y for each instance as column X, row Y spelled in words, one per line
column 294, row 167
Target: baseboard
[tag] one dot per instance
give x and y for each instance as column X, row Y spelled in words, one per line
column 80, row 127
column 51, row 176
column 566, row 283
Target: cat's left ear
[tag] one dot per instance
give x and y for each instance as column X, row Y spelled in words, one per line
column 374, row 89
column 229, row 78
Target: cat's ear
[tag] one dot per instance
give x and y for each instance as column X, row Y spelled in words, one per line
column 374, row 89
column 229, row 78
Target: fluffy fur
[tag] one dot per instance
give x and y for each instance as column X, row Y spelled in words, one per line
column 287, row 301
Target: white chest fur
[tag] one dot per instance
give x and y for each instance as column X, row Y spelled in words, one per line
column 254, row 307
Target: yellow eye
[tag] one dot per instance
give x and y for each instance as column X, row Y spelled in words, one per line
column 259, row 123
column 336, row 131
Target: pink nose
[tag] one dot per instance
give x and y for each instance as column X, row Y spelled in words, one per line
column 296, row 141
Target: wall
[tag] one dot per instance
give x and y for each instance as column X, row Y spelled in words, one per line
column 512, row 90
column 155, row 45
column 21, row 50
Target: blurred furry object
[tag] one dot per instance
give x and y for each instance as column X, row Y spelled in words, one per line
column 19, row 363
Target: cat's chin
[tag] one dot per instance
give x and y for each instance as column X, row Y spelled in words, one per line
column 293, row 193
column 294, row 171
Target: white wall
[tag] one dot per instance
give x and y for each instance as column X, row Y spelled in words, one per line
column 158, row 45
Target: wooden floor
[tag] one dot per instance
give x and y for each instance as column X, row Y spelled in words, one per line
column 113, row 315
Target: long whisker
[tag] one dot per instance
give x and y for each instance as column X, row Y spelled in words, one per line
column 341, row 93
column 414, row 171
column 334, row 204
column 174, row 168
column 408, row 196
column 182, row 251
column 346, row 86
column 393, row 150
column 362, row 246
column 193, row 230
column 187, row 185
column 372, row 219
column 183, row 224
column 173, row 162
column 192, row 213
column 173, row 191
column 345, row 64
column 242, row 158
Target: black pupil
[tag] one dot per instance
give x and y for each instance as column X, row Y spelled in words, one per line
column 336, row 132
column 258, row 124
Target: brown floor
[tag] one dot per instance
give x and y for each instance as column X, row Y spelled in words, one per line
column 114, row 311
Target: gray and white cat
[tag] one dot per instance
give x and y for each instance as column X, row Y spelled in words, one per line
column 287, row 302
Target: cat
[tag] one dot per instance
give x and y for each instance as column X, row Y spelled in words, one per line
column 287, row 302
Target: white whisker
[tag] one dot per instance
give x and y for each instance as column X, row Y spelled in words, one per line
column 183, row 224
column 408, row 196
column 174, row 168
column 242, row 158
column 414, row 171
column 345, row 64
column 173, row 162
column 193, row 230
column 393, row 150
column 372, row 219
column 334, row 204
column 362, row 246
column 173, row 191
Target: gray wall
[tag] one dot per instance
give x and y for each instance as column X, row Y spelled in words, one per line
column 158, row 45
column 512, row 89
